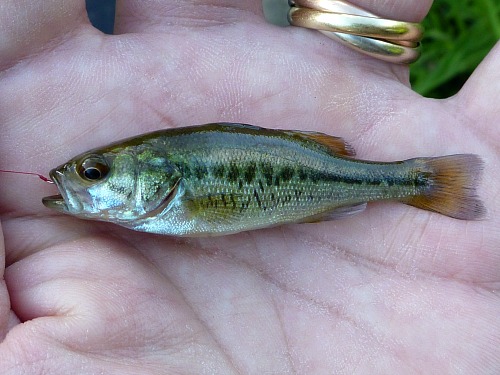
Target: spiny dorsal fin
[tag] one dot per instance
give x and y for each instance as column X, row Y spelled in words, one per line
column 335, row 145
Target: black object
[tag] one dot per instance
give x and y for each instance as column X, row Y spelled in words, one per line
column 102, row 14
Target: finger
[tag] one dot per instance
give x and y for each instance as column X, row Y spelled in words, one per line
column 478, row 99
column 138, row 15
column 403, row 10
column 5, row 314
column 80, row 296
column 150, row 15
column 27, row 26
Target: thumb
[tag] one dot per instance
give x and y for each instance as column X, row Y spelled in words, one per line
column 27, row 26
column 480, row 94
column 4, row 296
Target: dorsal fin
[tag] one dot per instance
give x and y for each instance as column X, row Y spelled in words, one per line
column 335, row 145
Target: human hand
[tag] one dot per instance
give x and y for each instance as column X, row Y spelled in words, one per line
column 392, row 290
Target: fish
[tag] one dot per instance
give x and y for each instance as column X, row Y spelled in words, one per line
column 225, row 178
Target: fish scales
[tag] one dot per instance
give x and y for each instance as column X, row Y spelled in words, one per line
column 290, row 180
column 225, row 178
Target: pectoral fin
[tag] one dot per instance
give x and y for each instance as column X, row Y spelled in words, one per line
column 216, row 208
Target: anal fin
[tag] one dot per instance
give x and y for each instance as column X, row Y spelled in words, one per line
column 336, row 214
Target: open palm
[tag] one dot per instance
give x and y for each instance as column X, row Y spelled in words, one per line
column 392, row 290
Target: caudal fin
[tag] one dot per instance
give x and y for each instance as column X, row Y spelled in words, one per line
column 453, row 181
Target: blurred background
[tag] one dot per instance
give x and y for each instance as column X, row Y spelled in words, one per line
column 458, row 34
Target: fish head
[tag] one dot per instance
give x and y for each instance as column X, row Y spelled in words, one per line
column 115, row 185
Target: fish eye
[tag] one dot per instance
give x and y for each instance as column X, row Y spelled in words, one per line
column 93, row 169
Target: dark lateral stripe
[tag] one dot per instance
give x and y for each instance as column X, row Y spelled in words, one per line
column 267, row 171
column 250, row 171
column 388, row 180
column 270, row 175
column 233, row 173
column 287, row 173
column 261, row 186
column 257, row 198
column 218, row 171
column 200, row 170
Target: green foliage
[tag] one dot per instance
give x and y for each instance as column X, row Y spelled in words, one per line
column 458, row 35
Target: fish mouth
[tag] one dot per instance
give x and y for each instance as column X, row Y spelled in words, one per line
column 55, row 202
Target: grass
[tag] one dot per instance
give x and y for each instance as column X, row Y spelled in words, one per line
column 458, row 35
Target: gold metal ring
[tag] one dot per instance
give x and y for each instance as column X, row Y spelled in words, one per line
column 378, row 28
column 385, row 39
column 379, row 49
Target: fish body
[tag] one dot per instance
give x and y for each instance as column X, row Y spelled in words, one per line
column 225, row 178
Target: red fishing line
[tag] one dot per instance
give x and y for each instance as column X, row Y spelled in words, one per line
column 41, row 177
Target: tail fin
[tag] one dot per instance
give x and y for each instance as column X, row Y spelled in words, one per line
column 452, row 188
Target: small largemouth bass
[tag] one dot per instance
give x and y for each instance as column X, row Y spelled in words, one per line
column 225, row 178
